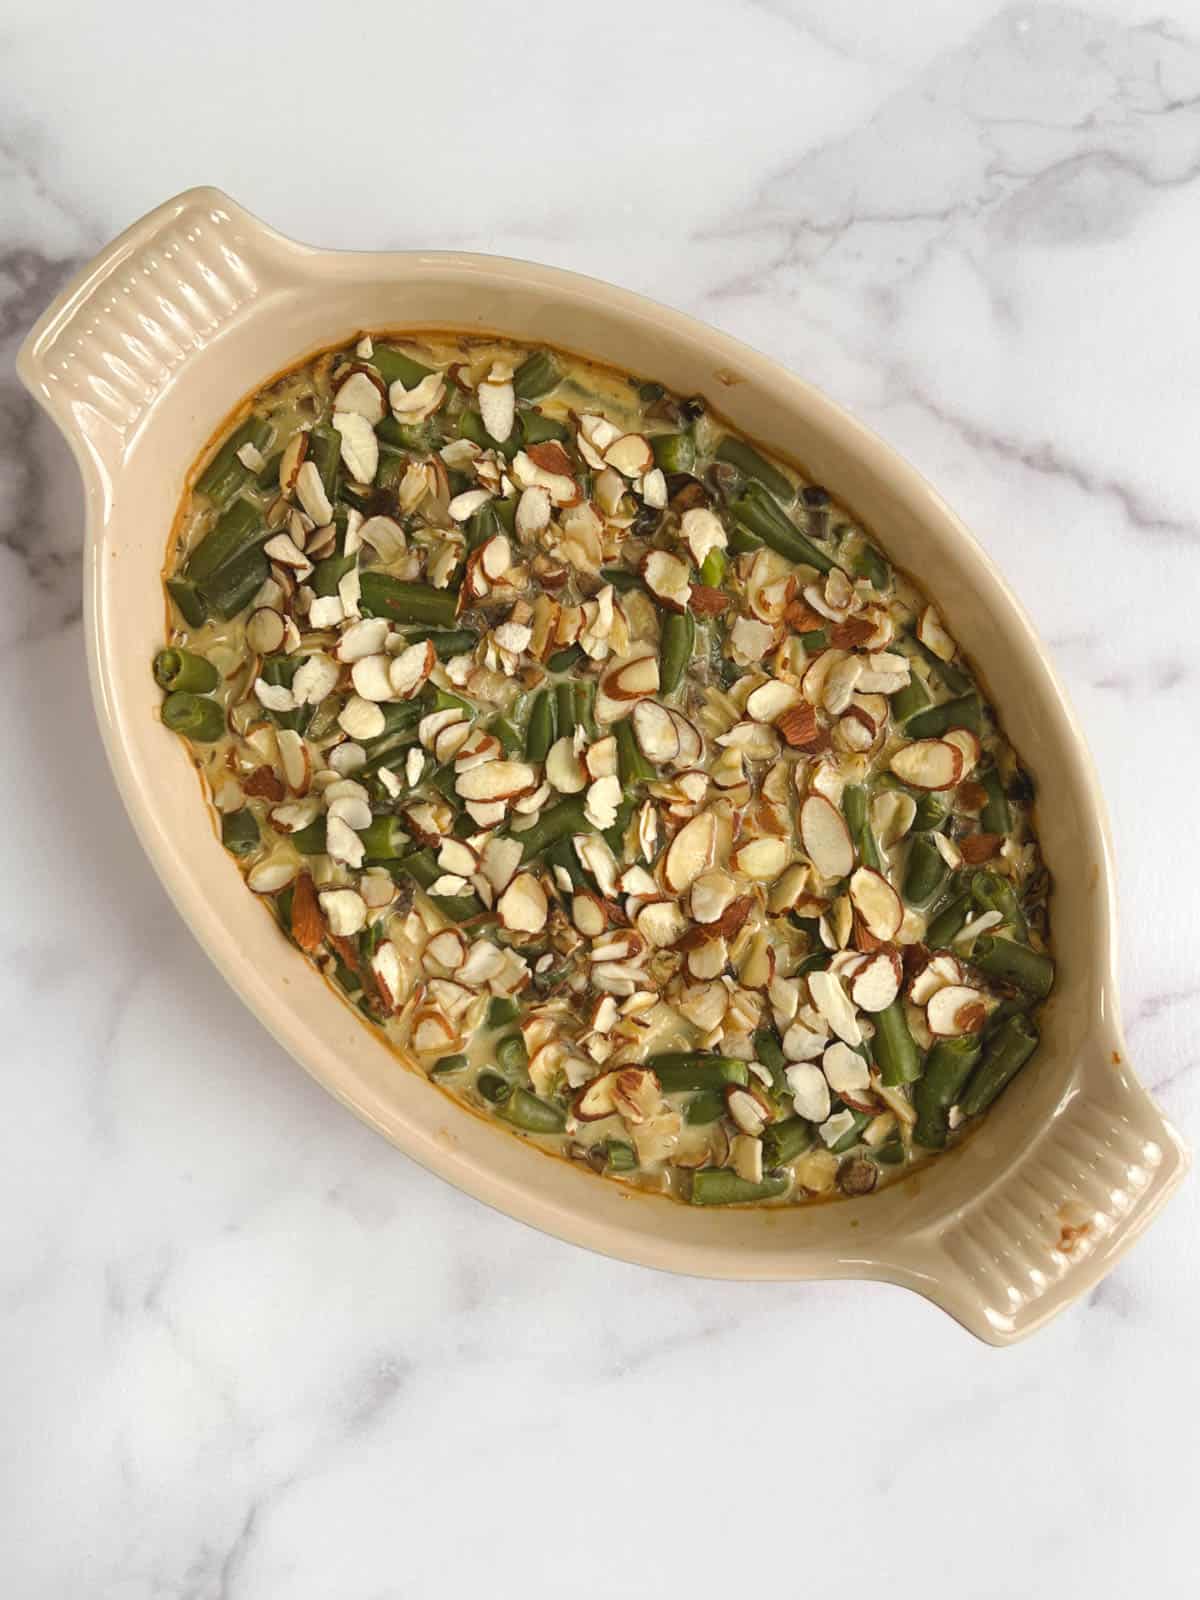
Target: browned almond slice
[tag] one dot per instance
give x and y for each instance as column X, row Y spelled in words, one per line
column 803, row 618
column 564, row 768
column 633, row 680
column 747, row 1110
column 636, row 1093
column 308, row 926
column 448, row 949
column 661, row 923
column 496, row 780
column 845, row 1070
column 551, row 457
column 711, row 893
column 495, row 557
column 691, row 851
column 956, row 1009
column 500, row 860
column 477, row 749
column 589, row 913
column 708, row 602
column 812, row 684
column 263, row 784
column 977, row 847
column 892, row 814
column 523, row 907
column 853, row 632
column 877, row 903
column 935, row 974
column 800, row 728
column 656, row 731
column 708, row 959
column 757, row 966
column 631, row 455
column 770, row 700
column 359, row 447
column 667, row 579
column 934, row 637
column 295, row 759
column 264, row 631
column 761, row 859
column 310, row 491
column 877, row 981
column 825, row 837
column 600, row 758
column 432, row 1031
column 968, row 743
column 691, row 745
column 596, row 1099
column 928, row 764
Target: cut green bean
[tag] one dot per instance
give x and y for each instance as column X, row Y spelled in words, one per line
column 963, row 712
column 202, row 721
column 310, row 841
column 511, row 1054
column 537, row 429
column 385, row 596
column 737, row 453
column 555, row 822
column 991, row 892
column 674, row 452
column 933, row 807
column 949, row 921
column 719, row 1186
column 230, row 590
column 447, row 642
column 676, row 646
column 564, row 660
column 325, row 453
column 894, row 1049
column 564, row 709
column 444, row 1065
column 502, row 1009
column 614, row 837
column 1014, row 963
column 995, row 816
column 870, row 564
column 1005, row 1053
column 328, row 573
column 384, row 839
column 855, row 802
column 532, row 1115
column 619, row 1156
column 712, row 569
column 422, row 867
column 494, row 1088
column 542, row 729
column 175, row 668
column 410, row 438
column 925, row 872
column 537, row 375
column 853, row 1134
column 239, row 832
column 631, row 763
column 682, row 1070
column 759, row 512
column 236, row 529
column 784, row 1141
column 947, row 1067
column 193, row 607
column 704, row 1108
column 225, row 474
column 908, row 701
column 393, row 366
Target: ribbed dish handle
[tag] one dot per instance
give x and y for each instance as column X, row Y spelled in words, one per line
column 1057, row 1220
column 116, row 336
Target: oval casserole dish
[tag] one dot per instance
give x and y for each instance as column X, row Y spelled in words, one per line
column 143, row 357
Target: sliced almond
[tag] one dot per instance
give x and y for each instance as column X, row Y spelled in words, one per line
column 770, row 700
column 938, row 971
column 564, row 769
column 747, row 1110
column 825, row 837
column 661, row 923
column 956, row 1009
column 750, row 639
column 523, row 907
column 712, row 892
column 877, row 903
column 533, row 512
column 359, row 446
column 933, row 635
column 410, row 669
column 364, row 394
column 845, row 1070
column 344, row 910
column 497, row 407
column 702, row 532
column 799, row 727
column 268, row 877
column 756, row 965
column 419, row 402
column 691, row 745
column 892, row 814
column 667, row 579
column 810, row 1091
column 968, row 743
column 600, row 758
column 831, row 1001
column 603, row 798
column 290, row 462
column 310, row 491
column 496, row 780
column 495, row 557
column 876, row 983
column 656, row 731
column 371, row 678
column 467, row 504
column 295, row 759
column 588, row 913
column 631, row 455
column 691, row 851
column 264, row 631
column 928, row 764
column 633, row 680
column 761, row 859
column 708, row 960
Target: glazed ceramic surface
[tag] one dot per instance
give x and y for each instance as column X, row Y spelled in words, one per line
column 141, row 359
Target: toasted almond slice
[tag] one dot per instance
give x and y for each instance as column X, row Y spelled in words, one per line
column 667, row 579
column 533, row 512
column 432, row 1031
column 497, row 407
column 595, row 857
column 274, row 696
column 264, row 631
column 810, row 1091
column 290, row 462
column 884, row 673
column 466, row 504
column 934, row 637
column 344, row 910
column 928, row 764
column 371, row 679
column 750, row 639
column 770, row 700
column 410, row 669
column 756, row 966
column 588, row 913
column 419, row 402
column 603, row 798
column 477, row 750
column 600, row 759
column 892, row 814
column 448, row 949
column 363, row 393
column 495, row 557
column 938, row 971
column 295, row 759
column 564, row 769
column 748, row 1111
column 523, row 907
column 656, row 731
column 968, row 743
column 310, row 491
column 956, row 1009
column 661, row 923
column 596, row 1099
column 708, row 960
column 361, row 639
column 496, row 780
column 792, row 884
column 632, row 680
column 825, row 837
column 845, row 1070
column 456, row 856
column 691, row 745
column 450, row 738
column 712, row 892
column 268, row 877
column 877, row 903
column 359, row 446
column 691, row 851
column 385, row 536
column 761, row 859
column 839, row 684
column 800, row 728
column 630, row 454
column 812, row 684
column 830, row 1000
column 877, row 981
column 702, row 531
column 361, row 719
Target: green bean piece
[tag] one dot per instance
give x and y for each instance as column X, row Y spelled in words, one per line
column 953, row 677
column 421, row 866
column 871, row 565
column 446, row 642
column 536, row 376
column 675, row 649
column 704, row 1108
column 202, row 721
column 506, row 512
column 1013, row 963
column 555, row 822
column 619, row 1156
column 180, row 669
column 532, row 1115
column 712, row 569
column 279, row 670
column 895, row 1051
column 622, row 580
column 512, row 740
column 494, row 1089
column 412, row 438
column 991, row 892
column 329, row 572
column 964, row 712
column 393, row 366
column 399, row 716
column 384, row 839
column 674, row 452
column 719, row 1186
column 564, row 660
column 737, row 453
column 239, row 832
column 891, row 1152
column 933, row 807
column 908, row 701
column 742, row 541
column 511, row 1054
column 562, row 854
column 471, row 426
column 783, row 1141
column 238, row 527
column 925, row 872
column 564, row 709
column 502, row 1009
column 815, row 961
column 631, row 763
column 853, row 1134
column 192, row 605
column 1005, row 1053
column 768, row 1052
column 858, row 819
column 310, row 841
column 231, row 590
column 995, row 816
column 444, row 1065
column 614, row 837
column 947, row 1067
column 225, row 474
column 325, row 453
column 538, row 429
column 482, row 525
column 679, row 1071
column 585, row 707
column 763, row 516
column 267, row 478
column 949, row 921
column 542, row 728
column 385, row 596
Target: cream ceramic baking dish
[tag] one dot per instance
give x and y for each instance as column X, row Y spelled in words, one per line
column 144, row 355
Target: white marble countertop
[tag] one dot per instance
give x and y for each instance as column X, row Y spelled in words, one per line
column 247, row 1350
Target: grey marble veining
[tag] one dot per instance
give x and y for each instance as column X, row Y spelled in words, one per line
column 248, row 1351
